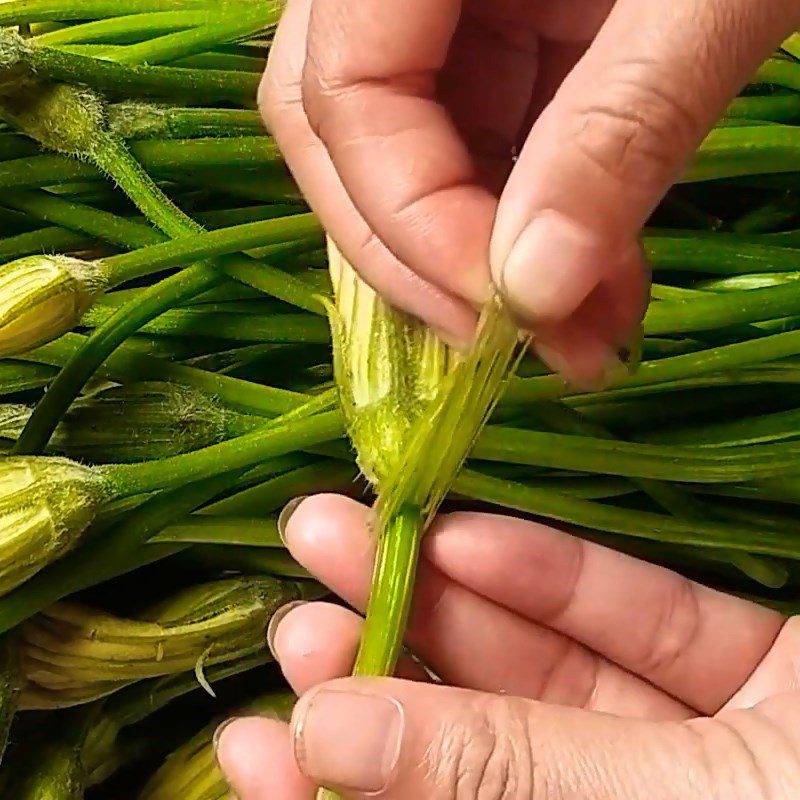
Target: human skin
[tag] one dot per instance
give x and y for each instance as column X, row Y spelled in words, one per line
column 400, row 120
column 569, row 672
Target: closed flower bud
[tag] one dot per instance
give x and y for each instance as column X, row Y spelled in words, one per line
column 13, row 69
column 192, row 773
column 388, row 368
column 135, row 422
column 45, row 506
column 61, row 117
column 42, row 297
column 73, row 654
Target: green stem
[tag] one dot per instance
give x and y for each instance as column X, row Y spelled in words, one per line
column 633, row 460
column 779, row 72
column 776, row 108
column 301, row 328
column 758, row 150
column 130, row 364
column 139, row 121
column 392, row 592
column 717, row 255
column 290, row 231
column 129, row 318
column 234, row 454
column 709, row 311
column 227, row 27
column 124, row 28
column 166, row 158
column 705, row 362
column 201, row 86
column 624, row 521
column 27, row 11
column 43, row 240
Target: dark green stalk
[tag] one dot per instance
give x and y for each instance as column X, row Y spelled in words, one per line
column 706, row 362
column 123, row 28
column 771, row 216
column 732, row 151
column 303, row 328
column 134, row 120
column 234, row 454
column 164, row 159
column 624, row 521
column 776, row 108
column 200, row 86
column 43, row 240
column 779, row 72
column 242, row 22
column 709, row 311
column 718, row 255
column 129, row 363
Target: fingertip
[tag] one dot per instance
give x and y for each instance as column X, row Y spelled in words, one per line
column 317, row 642
column 318, row 522
column 552, row 267
column 244, row 746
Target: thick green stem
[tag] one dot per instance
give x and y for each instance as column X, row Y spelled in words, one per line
column 758, row 150
column 112, row 156
column 614, row 519
column 168, row 158
column 705, row 362
column 717, row 255
column 392, row 592
column 227, row 27
column 123, row 28
column 234, row 454
column 129, row 364
column 201, row 86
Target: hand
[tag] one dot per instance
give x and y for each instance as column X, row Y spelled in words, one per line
column 399, row 119
column 574, row 672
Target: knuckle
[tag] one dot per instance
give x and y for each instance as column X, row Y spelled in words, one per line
column 485, row 755
column 641, row 131
column 675, row 628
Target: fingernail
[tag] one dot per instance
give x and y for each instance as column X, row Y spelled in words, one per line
column 552, row 268
column 286, row 515
column 349, row 740
column 218, row 736
column 275, row 621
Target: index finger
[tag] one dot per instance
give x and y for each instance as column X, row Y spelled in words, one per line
column 369, row 90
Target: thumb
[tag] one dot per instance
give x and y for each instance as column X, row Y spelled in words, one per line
column 603, row 153
column 396, row 740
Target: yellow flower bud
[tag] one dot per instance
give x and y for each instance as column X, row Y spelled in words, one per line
column 43, row 297
column 72, row 654
column 191, row 772
column 45, row 505
column 388, row 368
